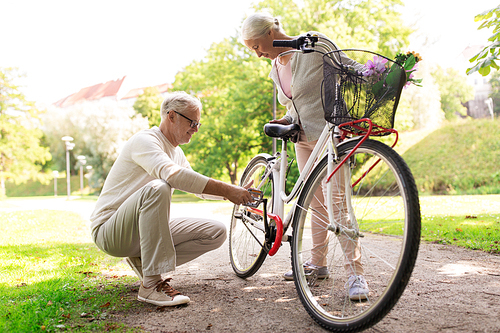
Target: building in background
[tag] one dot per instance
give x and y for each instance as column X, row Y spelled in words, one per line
column 481, row 106
column 118, row 90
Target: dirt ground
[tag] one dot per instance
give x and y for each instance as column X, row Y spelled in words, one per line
column 451, row 290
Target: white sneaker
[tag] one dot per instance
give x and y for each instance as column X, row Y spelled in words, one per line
column 161, row 295
column 358, row 288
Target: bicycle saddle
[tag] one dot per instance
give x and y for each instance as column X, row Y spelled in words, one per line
column 284, row 132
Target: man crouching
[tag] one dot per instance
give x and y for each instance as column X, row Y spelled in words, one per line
column 132, row 215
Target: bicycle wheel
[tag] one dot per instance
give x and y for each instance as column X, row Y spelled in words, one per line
column 247, row 249
column 381, row 206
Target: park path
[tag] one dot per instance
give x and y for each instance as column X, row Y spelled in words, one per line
column 451, row 290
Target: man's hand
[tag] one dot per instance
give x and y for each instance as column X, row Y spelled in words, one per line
column 236, row 194
column 239, row 195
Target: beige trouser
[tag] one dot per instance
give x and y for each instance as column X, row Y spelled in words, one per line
column 319, row 220
column 142, row 227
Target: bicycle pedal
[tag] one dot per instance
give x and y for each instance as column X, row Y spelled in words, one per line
column 257, row 197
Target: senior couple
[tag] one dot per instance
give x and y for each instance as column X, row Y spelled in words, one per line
column 131, row 218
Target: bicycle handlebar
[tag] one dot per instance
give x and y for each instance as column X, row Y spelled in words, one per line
column 299, row 43
column 287, row 43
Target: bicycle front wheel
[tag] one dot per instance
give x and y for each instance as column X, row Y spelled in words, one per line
column 247, row 240
column 375, row 238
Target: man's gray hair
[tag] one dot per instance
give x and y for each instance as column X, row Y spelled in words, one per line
column 258, row 25
column 179, row 101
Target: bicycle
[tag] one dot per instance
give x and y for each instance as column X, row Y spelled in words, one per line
column 363, row 185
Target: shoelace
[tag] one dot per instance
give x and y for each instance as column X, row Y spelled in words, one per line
column 166, row 288
column 358, row 282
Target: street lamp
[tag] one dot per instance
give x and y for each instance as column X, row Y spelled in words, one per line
column 55, row 173
column 69, row 146
column 83, row 160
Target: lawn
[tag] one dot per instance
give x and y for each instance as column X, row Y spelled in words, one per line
column 53, row 278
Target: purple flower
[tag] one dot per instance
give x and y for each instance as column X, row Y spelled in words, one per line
column 377, row 66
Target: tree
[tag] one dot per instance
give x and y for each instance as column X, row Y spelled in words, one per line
column 372, row 24
column 99, row 130
column 486, row 59
column 148, row 104
column 455, row 91
column 237, row 101
column 21, row 155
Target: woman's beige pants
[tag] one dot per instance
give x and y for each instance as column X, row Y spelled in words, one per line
column 350, row 247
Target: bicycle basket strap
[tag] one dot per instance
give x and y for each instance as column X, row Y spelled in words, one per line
column 361, row 84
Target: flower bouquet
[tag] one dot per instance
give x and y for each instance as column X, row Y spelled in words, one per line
column 361, row 84
column 385, row 77
column 409, row 61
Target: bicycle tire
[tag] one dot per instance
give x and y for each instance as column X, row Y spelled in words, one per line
column 384, row 200
column 247, row 250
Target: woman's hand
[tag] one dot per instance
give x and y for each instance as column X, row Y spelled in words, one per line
column 281, row 121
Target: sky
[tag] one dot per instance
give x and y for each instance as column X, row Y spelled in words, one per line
column 63, row 46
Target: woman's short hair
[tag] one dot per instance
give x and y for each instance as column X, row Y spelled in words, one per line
column 259, row 24
column 179, row 101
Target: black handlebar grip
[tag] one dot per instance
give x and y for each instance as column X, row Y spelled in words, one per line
column 286, row 43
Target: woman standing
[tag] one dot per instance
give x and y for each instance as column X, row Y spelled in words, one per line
column 299, row 77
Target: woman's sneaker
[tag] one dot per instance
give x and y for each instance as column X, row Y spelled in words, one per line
column 161, row 295
column 310, row 270
column 358, row 288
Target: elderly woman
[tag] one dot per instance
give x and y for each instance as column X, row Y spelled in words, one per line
column 299, row 77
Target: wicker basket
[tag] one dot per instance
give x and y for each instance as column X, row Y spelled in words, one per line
column 361, row 84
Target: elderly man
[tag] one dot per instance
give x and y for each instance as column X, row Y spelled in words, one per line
column 131, row 218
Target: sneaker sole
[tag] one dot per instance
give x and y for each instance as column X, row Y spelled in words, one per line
column 175, row 301
column 361, row 297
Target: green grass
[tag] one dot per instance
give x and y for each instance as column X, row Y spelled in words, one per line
column 53, row 277
column 472, row 222
column 460, row 158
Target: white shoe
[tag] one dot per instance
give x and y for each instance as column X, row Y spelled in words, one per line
column 358, row 288
column 161, row 295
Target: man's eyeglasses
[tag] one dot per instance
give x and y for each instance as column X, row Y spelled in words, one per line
column 194, row 123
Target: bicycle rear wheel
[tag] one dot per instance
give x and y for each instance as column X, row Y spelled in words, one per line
column 381, row 206
column 247, row 249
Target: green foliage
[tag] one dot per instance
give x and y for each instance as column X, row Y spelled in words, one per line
column 148, row 104
column 486, row 59
column 46, row 282
column 21, row 153
column 237, row 101
column 455, row 91
column 460, row 158
column 372, row 24
column 495, row 92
